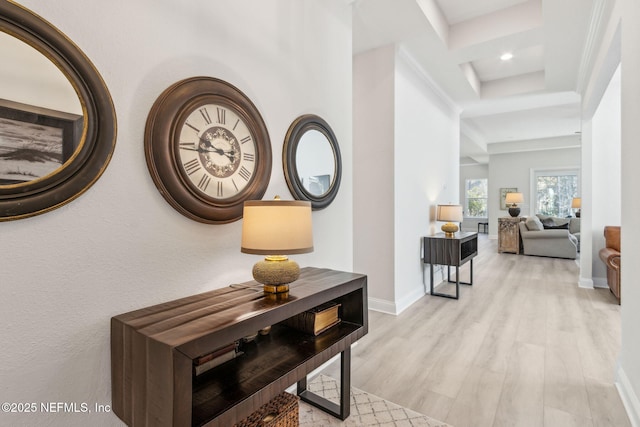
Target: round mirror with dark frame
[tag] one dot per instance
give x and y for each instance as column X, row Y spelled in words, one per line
column 57, row 128
column 311, row 161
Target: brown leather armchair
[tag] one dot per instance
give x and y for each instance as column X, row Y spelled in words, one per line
column 610, row 255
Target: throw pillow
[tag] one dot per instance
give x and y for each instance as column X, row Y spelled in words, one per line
column 534, row 224
column 547, row 222
column 556, row 227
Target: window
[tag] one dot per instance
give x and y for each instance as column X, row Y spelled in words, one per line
column 554, row 191
column 476, row 198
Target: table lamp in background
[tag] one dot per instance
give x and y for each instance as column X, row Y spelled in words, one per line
column 576, row 203
column 511, row 200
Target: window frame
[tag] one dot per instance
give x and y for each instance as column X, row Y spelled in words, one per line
column 562, row 171
column 466, row 198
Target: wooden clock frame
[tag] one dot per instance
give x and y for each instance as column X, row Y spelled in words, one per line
column 161, row 143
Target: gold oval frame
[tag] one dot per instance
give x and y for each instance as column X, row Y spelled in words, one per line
column 98, row 138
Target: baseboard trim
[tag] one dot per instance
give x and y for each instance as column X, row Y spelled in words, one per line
column 382, row 305
column 585, row 283
column 397, row 307
column 407, row 301
column 629, row 398
column 600, row 282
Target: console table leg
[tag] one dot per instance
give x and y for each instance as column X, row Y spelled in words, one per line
column 448, row 280
column 431, row 276
column 302, row 385
column 343, row 410
column 345, row 383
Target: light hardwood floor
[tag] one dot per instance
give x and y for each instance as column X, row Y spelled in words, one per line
column 523, row 347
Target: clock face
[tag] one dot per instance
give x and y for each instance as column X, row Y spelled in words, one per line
column 207, row 149
column 217, row 151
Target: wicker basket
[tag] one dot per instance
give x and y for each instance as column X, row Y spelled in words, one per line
column 281, row 411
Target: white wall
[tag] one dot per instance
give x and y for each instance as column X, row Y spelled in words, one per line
column 513, row 170
column 605, row 173
column 426, row 156
column 407, row 149
column 586, row 233
column 618, row 46
column 120, row 246
column 628, row 375
column 479, row 171
column 373, row 171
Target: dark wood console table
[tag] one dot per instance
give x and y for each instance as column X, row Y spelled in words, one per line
column 153, row 351
column 450, row 251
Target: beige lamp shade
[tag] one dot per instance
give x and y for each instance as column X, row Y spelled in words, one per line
column 449, row 213
column 277, row 227
column 513, row 198
column 576, row 203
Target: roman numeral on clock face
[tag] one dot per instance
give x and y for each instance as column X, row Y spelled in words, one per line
column 248, row 157
column 192, row 127
column 192, row 166
column 245, row 139
column 204, row 182
column 222, row 113
column 220, row 191
column 205, row 115
column 244, row 173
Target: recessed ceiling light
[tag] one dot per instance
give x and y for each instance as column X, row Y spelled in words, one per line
column 506, row 56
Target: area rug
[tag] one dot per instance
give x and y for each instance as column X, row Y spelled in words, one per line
column 366, row 409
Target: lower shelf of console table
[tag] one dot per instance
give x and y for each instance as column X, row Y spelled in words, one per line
column 153, row 351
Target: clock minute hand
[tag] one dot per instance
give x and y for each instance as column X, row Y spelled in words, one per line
column 205, row 150
column 214, row 149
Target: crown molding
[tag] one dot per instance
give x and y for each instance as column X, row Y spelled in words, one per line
column 590, row 49
column 428, row 80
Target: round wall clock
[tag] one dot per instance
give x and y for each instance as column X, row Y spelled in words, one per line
column 207, row 149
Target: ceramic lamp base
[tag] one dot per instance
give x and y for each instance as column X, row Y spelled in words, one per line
column 275, row 273
column 449, row 229
column 514, row 211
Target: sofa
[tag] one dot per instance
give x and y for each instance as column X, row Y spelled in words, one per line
column 550, row 236
column 610, row 255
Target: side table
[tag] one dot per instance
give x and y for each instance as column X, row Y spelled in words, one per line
column 452, row 252
column 509, row 234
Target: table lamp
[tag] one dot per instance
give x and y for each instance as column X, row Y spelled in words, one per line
column 450, row 214
column 576, row 203
column 276, row 228
column 512, row 199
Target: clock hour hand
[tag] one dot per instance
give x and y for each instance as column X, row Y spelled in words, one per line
column 218, row 150
column 231, row 154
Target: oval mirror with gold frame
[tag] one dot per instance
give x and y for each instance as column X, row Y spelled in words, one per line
column 311, row 161
column 52, row 147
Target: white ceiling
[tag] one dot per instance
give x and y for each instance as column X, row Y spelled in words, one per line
column 528, row 101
